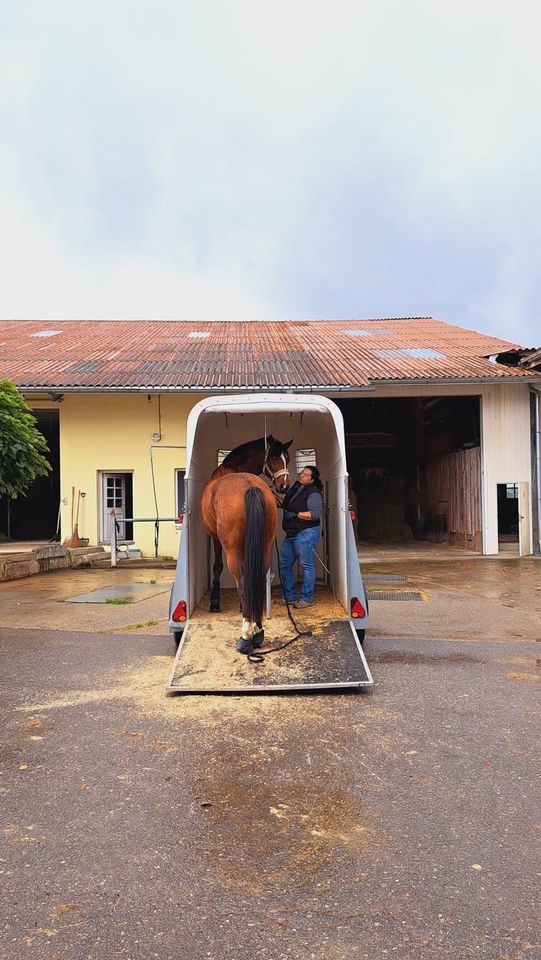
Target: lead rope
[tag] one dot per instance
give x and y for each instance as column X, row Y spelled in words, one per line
column 257, row 657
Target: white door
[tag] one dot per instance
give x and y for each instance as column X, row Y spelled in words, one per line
column 524, row 540
column 113, row 497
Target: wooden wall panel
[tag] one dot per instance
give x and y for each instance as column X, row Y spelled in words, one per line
column 452, row 499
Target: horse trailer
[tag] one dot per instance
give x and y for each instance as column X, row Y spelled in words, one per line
column 327, row 652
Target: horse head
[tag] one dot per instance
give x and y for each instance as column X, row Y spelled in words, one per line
column 276, row 462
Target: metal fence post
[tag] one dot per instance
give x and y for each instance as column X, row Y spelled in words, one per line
column 113, row 539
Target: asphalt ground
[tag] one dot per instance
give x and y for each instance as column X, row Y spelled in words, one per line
column 403, row 823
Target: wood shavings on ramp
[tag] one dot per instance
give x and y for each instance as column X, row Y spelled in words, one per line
column 208, row 662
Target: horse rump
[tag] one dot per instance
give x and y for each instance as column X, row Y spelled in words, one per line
column 253, row 592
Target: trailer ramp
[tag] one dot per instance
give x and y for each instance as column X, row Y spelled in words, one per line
column 331, row 658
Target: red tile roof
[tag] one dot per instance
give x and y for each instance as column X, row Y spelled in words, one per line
column 256, row 355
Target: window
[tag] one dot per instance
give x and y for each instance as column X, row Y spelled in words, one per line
column 180, row 491
column 305, row 458
column 511, row 491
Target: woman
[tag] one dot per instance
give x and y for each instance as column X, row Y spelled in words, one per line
column 302, row 506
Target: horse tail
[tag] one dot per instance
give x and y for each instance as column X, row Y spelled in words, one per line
column 253, row 594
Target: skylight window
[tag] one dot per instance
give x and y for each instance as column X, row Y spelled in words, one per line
column 199, row 334
column 418, row 353
column 46, row 333
column 373, row 332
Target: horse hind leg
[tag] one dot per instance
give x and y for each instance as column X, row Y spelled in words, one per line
column 245, row 643
column 258, row 636
column 252, row 636
column 216, row 574
column 240, row 591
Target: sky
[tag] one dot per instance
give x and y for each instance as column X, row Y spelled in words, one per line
column 231, row 159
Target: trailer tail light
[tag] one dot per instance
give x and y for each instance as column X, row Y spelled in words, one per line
column 179, row 613
column 180, row 518
column 353, row 515
column 357, row 609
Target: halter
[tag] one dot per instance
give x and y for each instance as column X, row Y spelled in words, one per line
column 278, row 473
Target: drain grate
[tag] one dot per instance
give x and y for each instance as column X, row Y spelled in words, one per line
column 385, row 578
column 395, row 595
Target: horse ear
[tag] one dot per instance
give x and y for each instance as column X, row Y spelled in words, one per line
column 270, row 438
column 287, row 445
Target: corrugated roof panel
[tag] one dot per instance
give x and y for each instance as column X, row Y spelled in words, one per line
column 87, row 366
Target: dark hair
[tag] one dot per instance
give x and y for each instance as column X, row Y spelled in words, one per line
column 315, row 476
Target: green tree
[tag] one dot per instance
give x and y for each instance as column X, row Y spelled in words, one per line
column 22, row 446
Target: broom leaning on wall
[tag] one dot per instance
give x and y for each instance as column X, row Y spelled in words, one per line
column 75, row 540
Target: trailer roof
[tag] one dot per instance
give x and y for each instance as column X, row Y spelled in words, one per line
column 263, row 404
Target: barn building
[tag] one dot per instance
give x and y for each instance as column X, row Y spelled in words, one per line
column 442, row 423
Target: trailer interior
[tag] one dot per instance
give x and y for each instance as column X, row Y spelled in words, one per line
column 314, row 437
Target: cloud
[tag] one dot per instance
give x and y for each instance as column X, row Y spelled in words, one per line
column 509, row 308
column 42, row 280
column 298, row 159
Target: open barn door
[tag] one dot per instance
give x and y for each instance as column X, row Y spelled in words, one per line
column 524, row 539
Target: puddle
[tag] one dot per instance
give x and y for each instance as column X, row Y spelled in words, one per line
column 128, row 592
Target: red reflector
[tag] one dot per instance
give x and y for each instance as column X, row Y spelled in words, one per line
column 357, row 609
column 352, row 514
column 180, row 518
column 179, row 613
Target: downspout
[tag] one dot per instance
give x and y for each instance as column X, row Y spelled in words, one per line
column 536, row 458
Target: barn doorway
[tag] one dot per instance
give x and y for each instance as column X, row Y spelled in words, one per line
column 415, row 469
column 514, row 534
column 508, row 518
column 35, row 516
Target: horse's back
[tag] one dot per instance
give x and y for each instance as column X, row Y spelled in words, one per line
column 223, row 506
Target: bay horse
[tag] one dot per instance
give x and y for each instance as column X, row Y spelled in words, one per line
column 239, row 512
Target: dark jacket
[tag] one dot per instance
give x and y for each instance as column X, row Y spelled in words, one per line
column 294, row 502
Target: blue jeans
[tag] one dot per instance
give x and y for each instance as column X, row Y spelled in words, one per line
column 301, row 547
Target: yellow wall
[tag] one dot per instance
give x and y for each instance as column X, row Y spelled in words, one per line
column 113, row 433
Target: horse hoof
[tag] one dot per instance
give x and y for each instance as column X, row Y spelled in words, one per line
column 214, row 607
column 258, row 638
column 245, row 646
